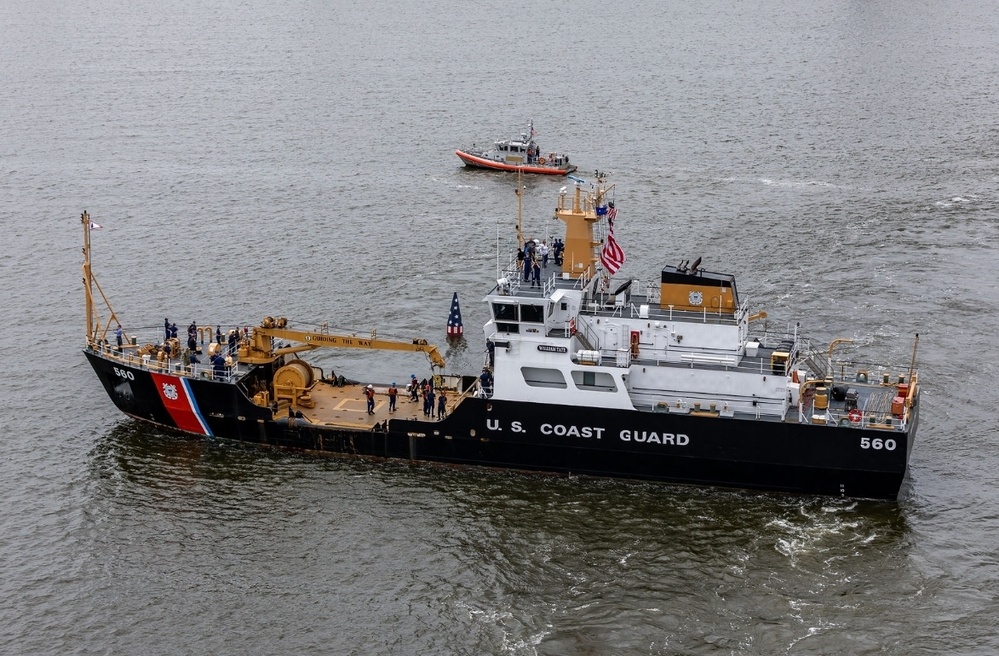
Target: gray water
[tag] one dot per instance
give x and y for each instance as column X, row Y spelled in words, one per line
column 296, row 159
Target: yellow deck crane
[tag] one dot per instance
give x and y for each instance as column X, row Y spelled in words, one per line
column 293, row 380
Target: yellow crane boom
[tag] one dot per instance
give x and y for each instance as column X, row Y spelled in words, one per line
column 260, row 348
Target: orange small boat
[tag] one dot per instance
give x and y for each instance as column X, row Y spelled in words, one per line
column 521, row 154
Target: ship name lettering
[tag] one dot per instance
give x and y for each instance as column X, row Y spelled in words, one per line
column 561, row 430
column 346, row 341
column 652, row 437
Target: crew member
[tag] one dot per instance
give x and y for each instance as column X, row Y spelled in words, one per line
column 218, row 363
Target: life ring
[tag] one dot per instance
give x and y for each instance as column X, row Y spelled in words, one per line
column 855, row 416
column 541, row 160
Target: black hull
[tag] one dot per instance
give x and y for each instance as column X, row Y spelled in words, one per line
column 728, row 452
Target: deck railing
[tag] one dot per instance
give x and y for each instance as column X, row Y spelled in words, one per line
column 172, row 366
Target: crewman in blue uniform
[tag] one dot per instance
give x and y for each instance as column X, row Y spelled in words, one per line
column 218, row 364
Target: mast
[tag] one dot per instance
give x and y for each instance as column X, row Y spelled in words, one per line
column 520, row 212
column 88, row 278
column 579, row 213
column 912, row 363
column 95, row 331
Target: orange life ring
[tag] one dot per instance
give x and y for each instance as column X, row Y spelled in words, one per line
column 855, row 415
column 541, row 160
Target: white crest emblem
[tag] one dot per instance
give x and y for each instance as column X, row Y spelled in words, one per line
column 170, row 391
column 695, row 298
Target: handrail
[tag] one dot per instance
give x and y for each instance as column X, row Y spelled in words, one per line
column 171, row 366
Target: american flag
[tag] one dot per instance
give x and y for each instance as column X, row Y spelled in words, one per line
column 612, row 255
column 454, row 327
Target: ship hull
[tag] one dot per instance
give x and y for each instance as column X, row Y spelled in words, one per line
column 715, row 451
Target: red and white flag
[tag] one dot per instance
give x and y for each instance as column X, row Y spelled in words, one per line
column 612, row 256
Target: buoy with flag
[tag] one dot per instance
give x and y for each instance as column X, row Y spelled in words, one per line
column 454, row 327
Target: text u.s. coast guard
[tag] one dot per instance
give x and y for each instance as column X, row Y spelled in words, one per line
column 595, row 432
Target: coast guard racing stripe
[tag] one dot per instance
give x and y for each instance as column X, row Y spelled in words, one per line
column 175, row 392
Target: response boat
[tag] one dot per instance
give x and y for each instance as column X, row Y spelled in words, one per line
column 672, row 380
column 519, row 154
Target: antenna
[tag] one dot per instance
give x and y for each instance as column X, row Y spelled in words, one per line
column 912, row 363
column 520, row 212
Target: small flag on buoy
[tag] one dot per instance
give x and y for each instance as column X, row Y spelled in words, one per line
column 454, row 319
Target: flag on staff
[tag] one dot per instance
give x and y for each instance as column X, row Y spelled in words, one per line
column 454, row 327
column 612, row 255
column 96, row 226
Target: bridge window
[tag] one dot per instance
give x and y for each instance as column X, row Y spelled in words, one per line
column 505, row 312
column 539, row 377
column 532, row 313
column 597, row 381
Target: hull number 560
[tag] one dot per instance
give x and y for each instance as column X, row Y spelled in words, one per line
column 877, row 444
column 124, row 373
